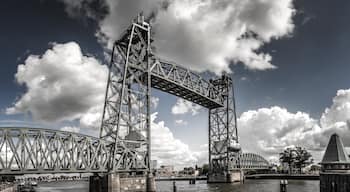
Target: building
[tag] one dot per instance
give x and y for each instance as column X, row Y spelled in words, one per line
column 314, row 169
column 154, row 164
column 189, row 171
column 335, row 167
column 166, row 171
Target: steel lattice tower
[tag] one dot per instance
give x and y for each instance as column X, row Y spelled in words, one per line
column 223, row 136
column 126, row 115
column 134, row 70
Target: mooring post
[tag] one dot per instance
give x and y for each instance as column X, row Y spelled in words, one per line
column 150, row 183
column 174, row 186
column 283, row 185
column 193, row 181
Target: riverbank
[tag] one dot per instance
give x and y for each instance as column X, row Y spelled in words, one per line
column 180, row 178
column 200, row 186
column 283, row 176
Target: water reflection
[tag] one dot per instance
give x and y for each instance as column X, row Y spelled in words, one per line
column 201, row 186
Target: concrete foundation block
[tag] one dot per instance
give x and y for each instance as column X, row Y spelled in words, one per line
column 231, row 177
column 119, row 183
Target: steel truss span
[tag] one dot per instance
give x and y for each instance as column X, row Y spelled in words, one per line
column 34, row 150
column 251, row 161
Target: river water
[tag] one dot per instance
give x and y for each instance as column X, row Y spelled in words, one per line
column 202, row 186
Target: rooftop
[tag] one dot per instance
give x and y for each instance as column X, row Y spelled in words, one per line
column 335, row 152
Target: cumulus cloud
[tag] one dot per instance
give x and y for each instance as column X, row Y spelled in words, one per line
column 71, row 129
column 336, row 118
column 93, row 9
column 169, row 150
column 203, row 34
column 273, row 129
column 181, row 122
column 183, row 106
column 154, row 102
column 62, row 84
column 339, row 111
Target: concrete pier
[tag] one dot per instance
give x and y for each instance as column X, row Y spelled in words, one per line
column 231, row 177
column 121, row 183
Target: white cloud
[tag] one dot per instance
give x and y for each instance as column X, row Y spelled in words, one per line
column 154, row 102
column 169, row 150
column 244, row 78
column 62, row 84
column 183, row 106
column 336, row 118
column 92, row 118
column 339, row 111
column 269, row 130
column 71, row 129
column 203, row 34
column 181, row 122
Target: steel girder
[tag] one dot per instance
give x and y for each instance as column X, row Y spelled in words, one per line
column 224, row 149
column 33, row 150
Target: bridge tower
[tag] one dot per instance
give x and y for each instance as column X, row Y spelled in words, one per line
column 224, row 149
column 126, row 115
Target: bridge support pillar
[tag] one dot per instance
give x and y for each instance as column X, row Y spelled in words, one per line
column 230, row 177
column 151, row 183
column 114, row 182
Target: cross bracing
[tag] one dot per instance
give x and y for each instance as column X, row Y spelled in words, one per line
column 35, row 150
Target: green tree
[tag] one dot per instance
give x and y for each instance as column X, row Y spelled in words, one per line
column 297, row 157
column 303, row 158
column 288, row 156
column 205, row 169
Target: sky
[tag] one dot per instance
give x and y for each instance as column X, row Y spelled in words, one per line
column 288, row 58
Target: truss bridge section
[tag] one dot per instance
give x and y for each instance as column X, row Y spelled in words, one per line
column 182, row 82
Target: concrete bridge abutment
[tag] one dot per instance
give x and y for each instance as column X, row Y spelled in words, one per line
column 115, row 182
column 230, row 177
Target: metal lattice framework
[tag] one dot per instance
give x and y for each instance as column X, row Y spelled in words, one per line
column 134, row 70
column 124, row 143
column 126, row 116
column 251, row 161
column 224, row 149
column 33, row 150
column 184, row 83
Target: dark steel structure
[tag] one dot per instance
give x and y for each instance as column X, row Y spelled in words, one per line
column 224, row 148
column 124, row 143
